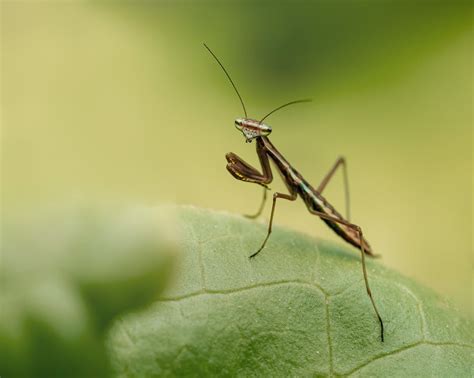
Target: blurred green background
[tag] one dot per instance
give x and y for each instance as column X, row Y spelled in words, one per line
column 121, row 102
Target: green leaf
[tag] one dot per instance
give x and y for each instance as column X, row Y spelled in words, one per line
column 65, row 276
column 298, row 308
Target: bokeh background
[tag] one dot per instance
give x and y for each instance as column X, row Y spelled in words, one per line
column 119, row 101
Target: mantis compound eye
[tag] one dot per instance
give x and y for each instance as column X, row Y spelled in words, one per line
column 239, row 124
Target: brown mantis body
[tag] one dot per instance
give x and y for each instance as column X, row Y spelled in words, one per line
column 296, row 185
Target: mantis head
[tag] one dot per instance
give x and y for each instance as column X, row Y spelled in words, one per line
column 252, row 128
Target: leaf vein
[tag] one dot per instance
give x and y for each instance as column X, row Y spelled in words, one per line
column 246, row 288
column 419, row 307
column 407, row 347
column 328, row 328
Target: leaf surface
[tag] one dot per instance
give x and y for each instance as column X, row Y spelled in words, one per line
column 66, row 276
column 299, row 308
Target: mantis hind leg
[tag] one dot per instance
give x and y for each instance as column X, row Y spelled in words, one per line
column 341, row 161
column 364, row 268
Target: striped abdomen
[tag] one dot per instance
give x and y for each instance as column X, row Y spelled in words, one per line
column 315, row 201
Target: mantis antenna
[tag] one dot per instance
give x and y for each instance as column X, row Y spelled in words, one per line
column 228, row 76
column 285, row 105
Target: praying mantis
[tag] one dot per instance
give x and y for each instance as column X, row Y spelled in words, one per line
column 296, row 184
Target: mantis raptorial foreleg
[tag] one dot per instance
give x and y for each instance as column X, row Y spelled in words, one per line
column 243, row 171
